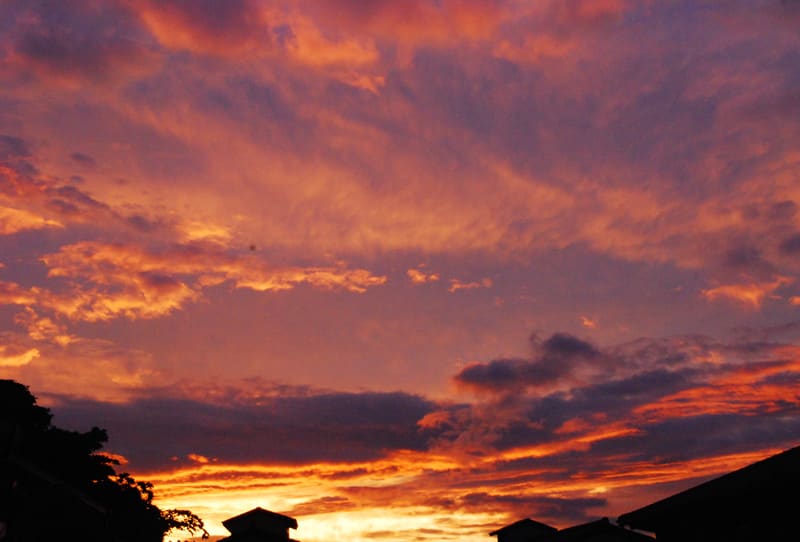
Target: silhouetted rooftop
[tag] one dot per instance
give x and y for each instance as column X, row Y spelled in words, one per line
column 758, row 492
column 601, row 530
column 260, row 520
column 526, row 524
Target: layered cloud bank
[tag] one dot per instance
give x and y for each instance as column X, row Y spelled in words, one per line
column 569, row 433
column 288, row 252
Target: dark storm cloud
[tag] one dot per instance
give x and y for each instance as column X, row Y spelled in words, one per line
column 554, row 359
column 326, row 427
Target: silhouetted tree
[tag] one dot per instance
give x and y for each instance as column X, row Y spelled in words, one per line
column 54, row 483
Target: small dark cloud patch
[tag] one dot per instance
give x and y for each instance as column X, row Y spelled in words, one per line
column 568, row 346
column 76, row 39
column 73, row 194
column 160, row 283
column 784, row 210
column 749, row 259
column 13, row 148
column 743, row 257
column 791, row 245
column 83, row 159
column 499, row 374
column 142, row 224
column 15, row 153
column 70, row 201
column 553, row 360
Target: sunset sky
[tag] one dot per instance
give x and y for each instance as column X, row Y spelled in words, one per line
column 406, row 269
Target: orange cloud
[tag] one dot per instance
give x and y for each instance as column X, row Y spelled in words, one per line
column 43, row 328
column 82, row 368
column 197, row 458
column 743, row 390
column 127, row 280
column 752, row 293
column 417, row 22
column 17, row 360
column 420, row 277
column 535, row 48
column 37, row 202
column 456, row 285
column 589, row 323
column 588, row 11
column 309, row 46
column 227, row 28
column 13, row 294
column 460, row 503
column 15, row 220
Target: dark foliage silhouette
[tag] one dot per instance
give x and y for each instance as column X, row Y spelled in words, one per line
column 55, row 484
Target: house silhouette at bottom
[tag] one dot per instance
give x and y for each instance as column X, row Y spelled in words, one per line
column 602, row 530
column 524, row 530
column 259, row 525
column 756, row 503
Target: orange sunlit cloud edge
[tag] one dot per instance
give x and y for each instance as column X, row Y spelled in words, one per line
column 301, row 201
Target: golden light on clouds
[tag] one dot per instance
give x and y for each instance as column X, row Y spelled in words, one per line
column 17, row 360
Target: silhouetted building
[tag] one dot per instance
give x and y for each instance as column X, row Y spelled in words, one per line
column 601, row 530
column 259, row 525
column 756, row 503
column 524, row 530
